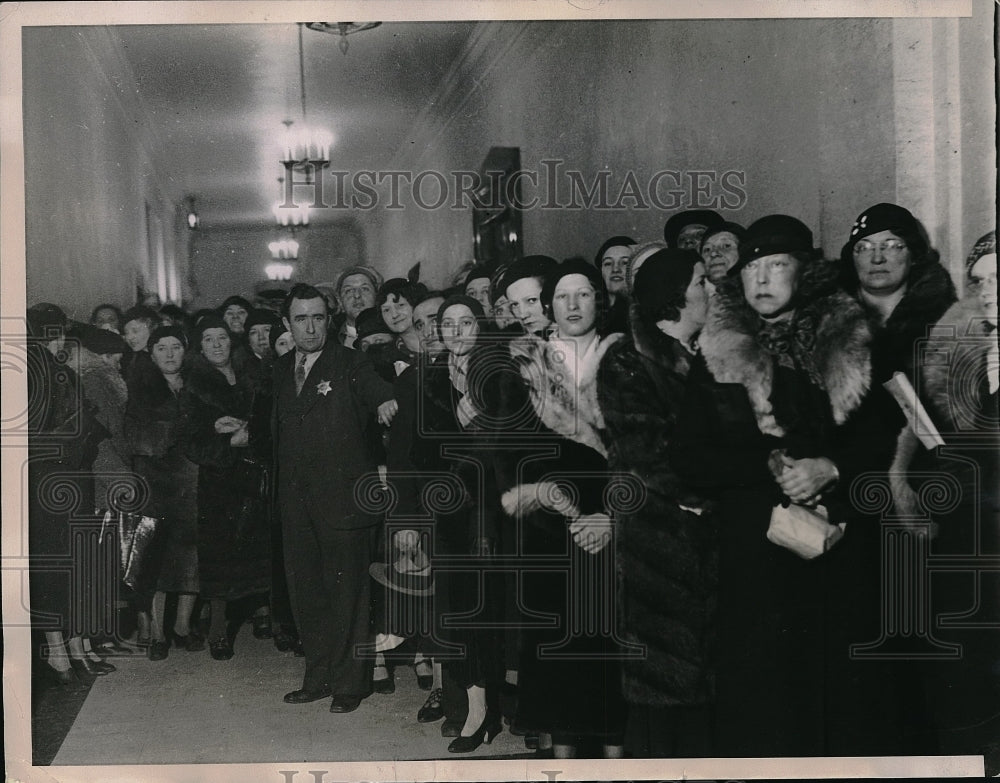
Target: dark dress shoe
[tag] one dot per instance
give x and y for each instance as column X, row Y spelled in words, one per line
column 432, row 709
column 388, row 685
column 452, row 728
column 85, row 668
column 221, row 649
column 424, row 681
column 262, row 626
column 344, row 703
column 103, row 667
column 530, row 741
column 488, row 729
column 158, row 650
column 303, row 696
column 284, row 641
column 193, row 642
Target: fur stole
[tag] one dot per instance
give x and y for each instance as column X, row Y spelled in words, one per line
column 566, row 407
column 842, row 352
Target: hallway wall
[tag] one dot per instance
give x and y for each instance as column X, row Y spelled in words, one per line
column 100, row 219
column 804, row 111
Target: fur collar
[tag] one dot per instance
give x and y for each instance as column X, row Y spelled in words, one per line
column 569, row 409
column 210, row 386
column 733, row 355
column 927, row 296
column 657, row 347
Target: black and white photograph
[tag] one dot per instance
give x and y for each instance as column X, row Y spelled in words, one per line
column 571, row 390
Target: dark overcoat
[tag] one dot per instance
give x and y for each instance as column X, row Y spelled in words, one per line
column 233, row 537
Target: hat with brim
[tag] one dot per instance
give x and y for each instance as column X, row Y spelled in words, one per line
column 773, row 235
column 404, row 576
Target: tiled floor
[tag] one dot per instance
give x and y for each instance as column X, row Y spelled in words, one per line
column 192, row 709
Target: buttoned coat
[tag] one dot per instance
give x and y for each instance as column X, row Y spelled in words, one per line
column 319, row 434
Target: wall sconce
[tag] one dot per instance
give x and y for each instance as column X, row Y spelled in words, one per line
column 192, row 217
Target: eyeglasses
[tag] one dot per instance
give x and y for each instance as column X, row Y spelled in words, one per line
column 892, row 249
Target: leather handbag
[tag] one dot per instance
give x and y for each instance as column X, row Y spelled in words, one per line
column 805, row 531
column 141, row 542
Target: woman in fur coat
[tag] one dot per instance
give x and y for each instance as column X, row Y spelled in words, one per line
column 788, row 363
column 152, row 426
column 667, row 554
column 555, row 487
column 233, row 537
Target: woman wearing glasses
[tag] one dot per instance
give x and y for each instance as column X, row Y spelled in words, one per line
column 888, row 266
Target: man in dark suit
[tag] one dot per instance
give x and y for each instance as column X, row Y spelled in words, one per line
column 324, row 394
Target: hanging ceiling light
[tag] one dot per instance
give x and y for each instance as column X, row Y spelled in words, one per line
column 284, row 249
column 343, row 29
column 296, row 215
column 304, row 144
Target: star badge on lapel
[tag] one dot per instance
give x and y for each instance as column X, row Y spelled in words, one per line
column 323, row 387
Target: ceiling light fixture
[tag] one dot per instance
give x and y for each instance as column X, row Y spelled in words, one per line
column 304, row 146
column 343, row 29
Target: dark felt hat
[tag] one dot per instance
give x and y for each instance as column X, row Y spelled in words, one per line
column 733, row 228
column 369, row 322
column 886, row 217
column 259, row 316
column 771, row 235
column 689, row 217
column 169, row 330
column 404, row 576
column 46, row 319
column 98, row 340
column 618, row 241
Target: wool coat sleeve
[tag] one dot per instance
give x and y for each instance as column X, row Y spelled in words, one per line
column 202, row 444
column 369, row 389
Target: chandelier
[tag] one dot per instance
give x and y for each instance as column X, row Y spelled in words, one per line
column 343, row 29
column 292, row 215
column 284, row 249
column 304, row 146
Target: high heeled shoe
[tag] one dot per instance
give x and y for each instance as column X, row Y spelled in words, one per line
column 85, row 668
column 103, row 667
column 424, row 681
column 488, row 729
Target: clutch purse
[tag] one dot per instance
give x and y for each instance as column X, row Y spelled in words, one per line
column 805, row 531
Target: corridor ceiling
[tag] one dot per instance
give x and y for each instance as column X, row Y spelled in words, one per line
column 215, row 97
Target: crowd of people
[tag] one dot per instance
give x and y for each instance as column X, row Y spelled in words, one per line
column 554, row 490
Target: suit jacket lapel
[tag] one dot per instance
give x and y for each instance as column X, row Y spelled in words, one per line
column 321, row 371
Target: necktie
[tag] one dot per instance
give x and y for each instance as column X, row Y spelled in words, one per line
column 300, row 374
